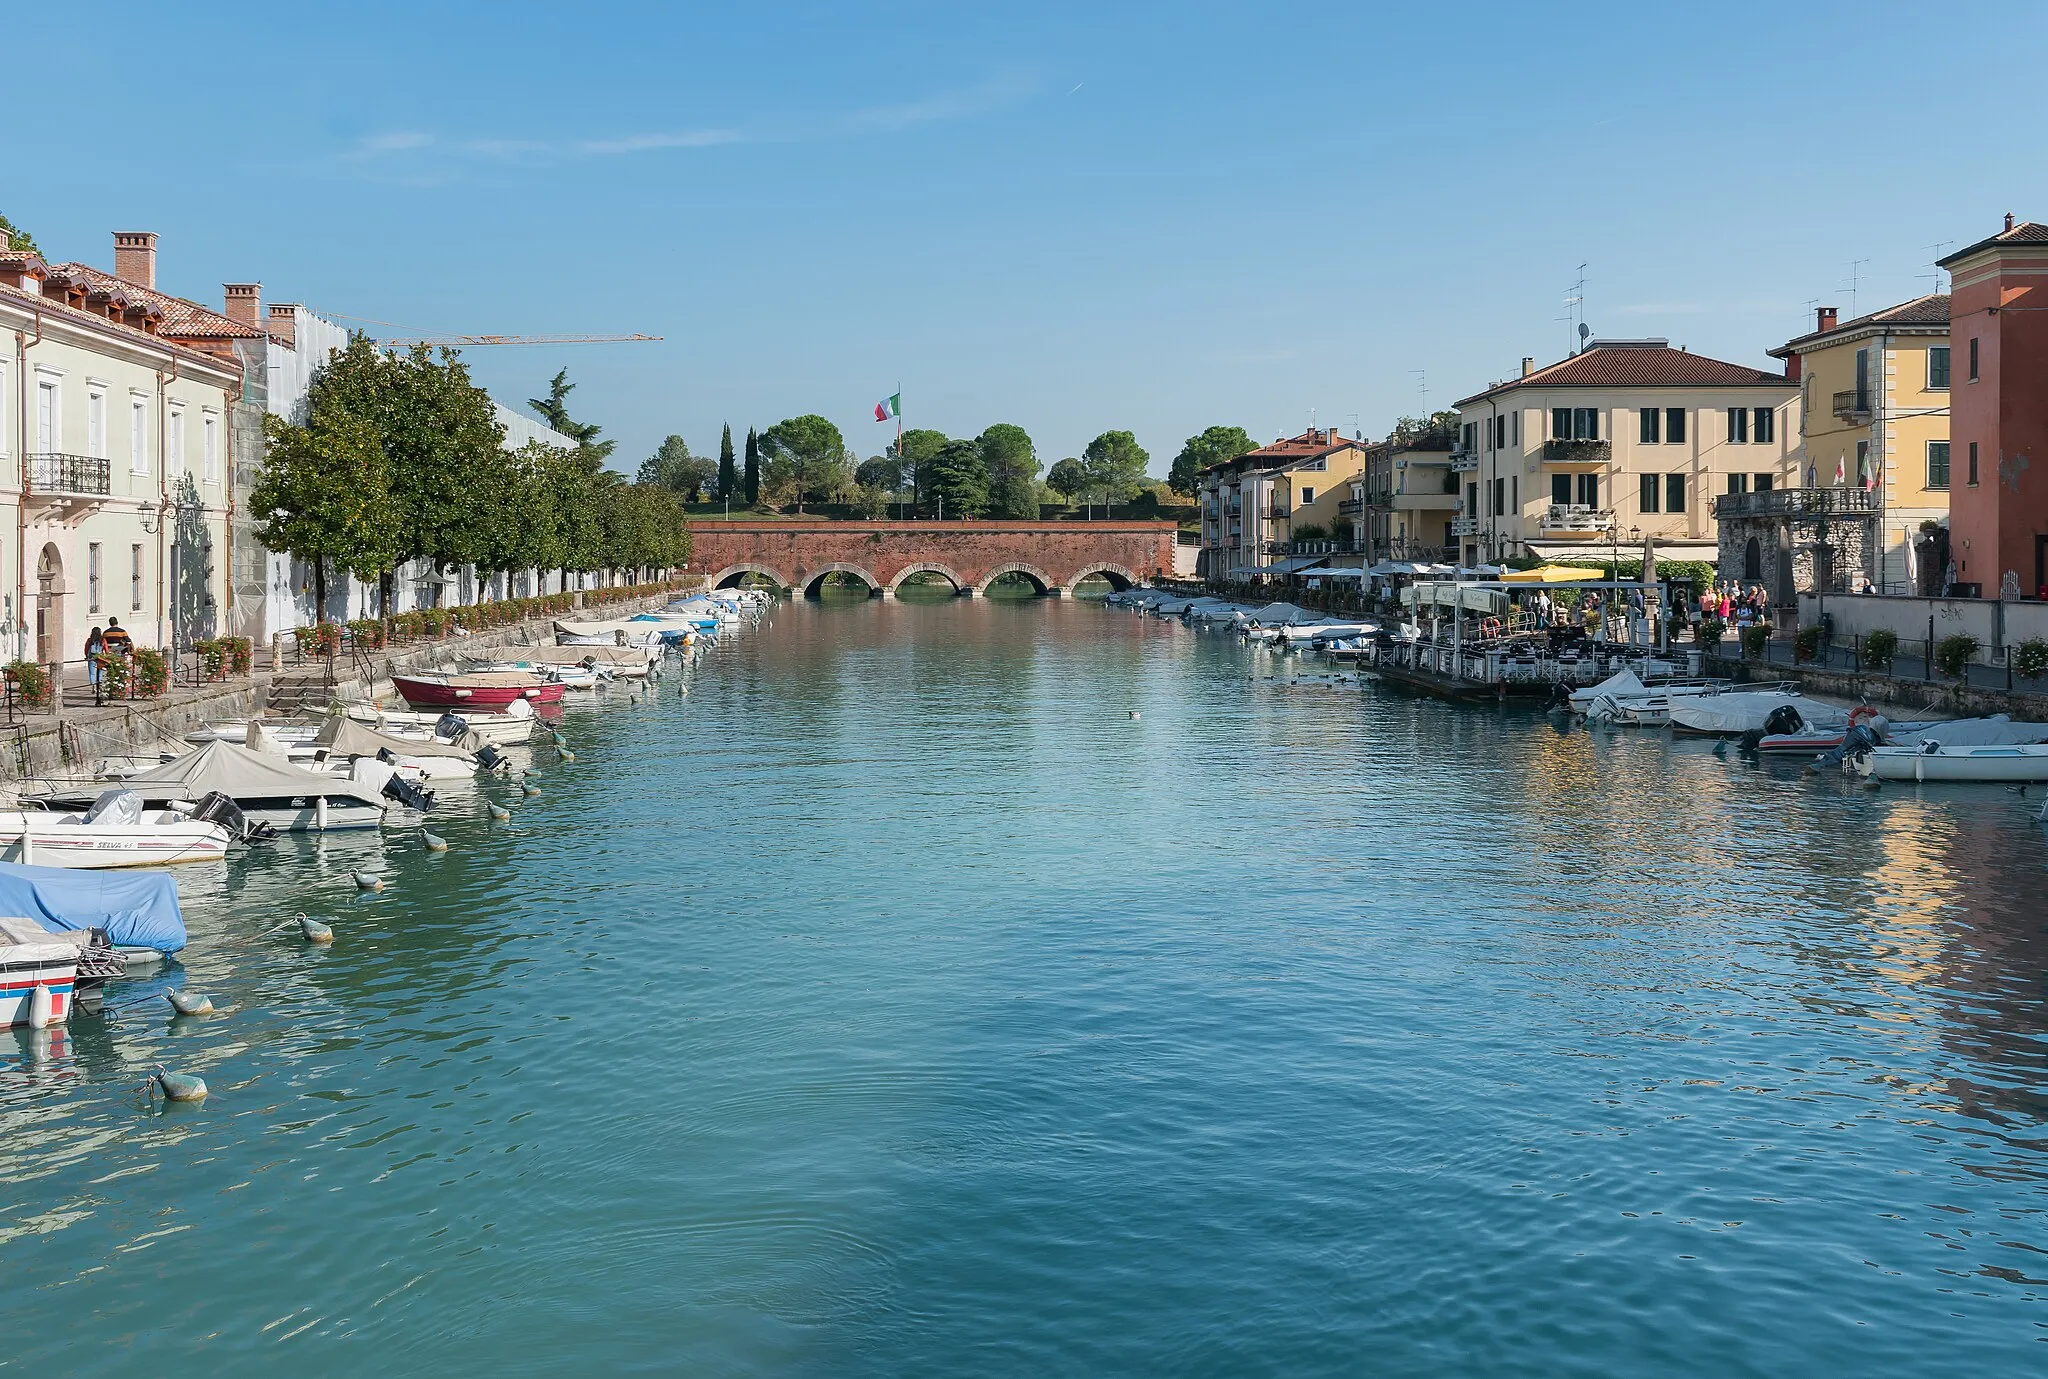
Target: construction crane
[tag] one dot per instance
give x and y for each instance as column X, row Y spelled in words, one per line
column 459, row 341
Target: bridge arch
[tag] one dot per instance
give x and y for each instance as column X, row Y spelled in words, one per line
column 1118, row 576
column 1038, row 577
column 927, row 567
column 815, row 578
column 732, row 574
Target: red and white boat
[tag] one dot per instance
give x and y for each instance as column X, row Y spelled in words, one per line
column 491, row 691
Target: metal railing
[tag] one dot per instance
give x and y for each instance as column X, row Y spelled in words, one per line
column 1575, row 518
column 1577, row 452
column 54, row 472
column 1464, row 462
column 1798, row 503
column 1464, row 526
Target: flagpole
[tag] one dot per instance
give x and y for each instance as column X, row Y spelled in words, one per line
column 899, row 442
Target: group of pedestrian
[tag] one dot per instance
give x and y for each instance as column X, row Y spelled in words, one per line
column 1735, row 605
column 113, row 641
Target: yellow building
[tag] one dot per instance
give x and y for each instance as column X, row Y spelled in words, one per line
column 1255, row 507
column 1876, row 414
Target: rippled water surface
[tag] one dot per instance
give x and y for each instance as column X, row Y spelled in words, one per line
column 895, row 1004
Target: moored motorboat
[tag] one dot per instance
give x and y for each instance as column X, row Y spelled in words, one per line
column 481, row 692
column 267, row 789
column 116, row 831
column 2012, row 763
column 37, row 980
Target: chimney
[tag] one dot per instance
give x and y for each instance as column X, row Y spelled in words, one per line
column 135, row 257
column 2008, row 221
column 284, row 324
column 244, row 304
column 1824, row 318
column 1528, row 365
column 1792, row 367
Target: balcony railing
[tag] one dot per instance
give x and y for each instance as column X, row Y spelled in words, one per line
column 1577, row 452
column 1574, row 520
column 1464, row 526
column 1464, row 462
column 1811, row 504
column 1853, row 405
column 1350, row 507
column 85, row 475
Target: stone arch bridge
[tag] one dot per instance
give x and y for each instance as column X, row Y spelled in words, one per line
column 1055, row 556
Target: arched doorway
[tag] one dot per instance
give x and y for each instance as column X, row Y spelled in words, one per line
column 51, row 641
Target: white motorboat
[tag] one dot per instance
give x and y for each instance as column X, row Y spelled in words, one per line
column 266, row 789
column 509, row 728
column 2012, row 763
column 117, row 831
column 1731, row 714
column 37, row 980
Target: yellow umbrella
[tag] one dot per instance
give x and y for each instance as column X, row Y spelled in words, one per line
column 1552, row 574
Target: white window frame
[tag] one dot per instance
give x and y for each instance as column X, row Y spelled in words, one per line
column 175, row 441
column 5, row 430
column 96, row 419
column 1308, row 495
column 92, row 577
column 209, row 445
column 135, row 577
column 49, row 439
column 138, row 433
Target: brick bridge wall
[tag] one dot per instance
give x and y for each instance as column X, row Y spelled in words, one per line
column 1054, row 555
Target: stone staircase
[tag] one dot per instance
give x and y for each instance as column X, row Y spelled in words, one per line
column 296, row 692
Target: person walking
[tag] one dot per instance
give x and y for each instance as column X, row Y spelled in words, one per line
column 93, row 642
column 116, row 641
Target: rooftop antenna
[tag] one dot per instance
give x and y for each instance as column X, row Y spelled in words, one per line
column 1807, row 321
column 1936, row 250
column 1575, row 307
column 1855, row 278
column 1422, row 390
column 1357, row 432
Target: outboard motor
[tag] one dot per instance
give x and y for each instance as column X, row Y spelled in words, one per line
column 409, row 793
column 1783, row 720
column 450, row 726
column 387, row 756
column 489, row 757
column 217, row 808
column 1856, row 745
column 1560, row 696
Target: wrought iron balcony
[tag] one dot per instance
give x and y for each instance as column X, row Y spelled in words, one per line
column 69, row 475
column 1853, row 405
column 1807, row 504
column 1350, row 507
column 1577, row 452
column 1574, row 521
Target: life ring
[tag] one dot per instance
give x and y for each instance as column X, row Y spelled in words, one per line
column 1861, row 714
column 1489, row 627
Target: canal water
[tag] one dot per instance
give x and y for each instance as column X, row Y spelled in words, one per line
column 985, row 988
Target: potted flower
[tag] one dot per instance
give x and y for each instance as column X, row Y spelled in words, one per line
column 31, row 682
column 152, row 673
column 1953, row 654
column 1880, row 648
column 213, row 658
column 1708, row 634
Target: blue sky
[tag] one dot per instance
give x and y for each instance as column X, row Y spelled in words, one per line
column 1069, row 216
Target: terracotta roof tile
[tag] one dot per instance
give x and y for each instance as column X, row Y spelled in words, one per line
column 1637, row 366
column 182, row 319
column 35, row 301
column 2026, row 232
column 1922, row 312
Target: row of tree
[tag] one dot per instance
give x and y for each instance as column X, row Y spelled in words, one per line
column 401, row 458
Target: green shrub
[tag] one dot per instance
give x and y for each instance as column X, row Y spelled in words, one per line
column 1806, row 644
column 1952, row 654
column 2030, row 659
column 1880, row 648
column 1709, row 633
column 1754, row 639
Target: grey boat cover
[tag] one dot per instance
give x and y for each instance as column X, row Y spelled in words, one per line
column 1996, row 731
column 116, row 807
column 343, row 736
column 239, row 774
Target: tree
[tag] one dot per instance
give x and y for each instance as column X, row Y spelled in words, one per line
column 804, row 456
column 1116, row 466
column 915, row 452
column 728, row 479
column 1011, row 462
column 871, row 500
column 554, row 409
column 674, row 468
column 753, row 468
column 12, row 236
column 1068, row 478
column 1213, row 446
column 1408, row 430
column 880, row 471
column 325, row 497
column 958, row 481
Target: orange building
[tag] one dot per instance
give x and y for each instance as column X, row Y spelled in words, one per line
column 1998, row 400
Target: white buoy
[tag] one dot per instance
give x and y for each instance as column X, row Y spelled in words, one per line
column 367, row 882
column 190, row 1002
column 315, row 931
column 565, row 754
column 1134, row 715
column 434, row 843
column 42, row 1008
column 500, row 813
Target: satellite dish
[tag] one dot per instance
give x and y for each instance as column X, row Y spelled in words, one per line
column 1584, row 331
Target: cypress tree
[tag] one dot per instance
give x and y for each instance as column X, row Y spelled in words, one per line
column 726, row 477
column 753, row 468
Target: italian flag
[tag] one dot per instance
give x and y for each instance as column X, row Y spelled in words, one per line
column 890, row 406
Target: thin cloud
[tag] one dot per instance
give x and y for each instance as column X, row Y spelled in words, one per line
column 413, row 150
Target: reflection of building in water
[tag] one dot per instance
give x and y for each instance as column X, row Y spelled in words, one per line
column 1916, row 896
